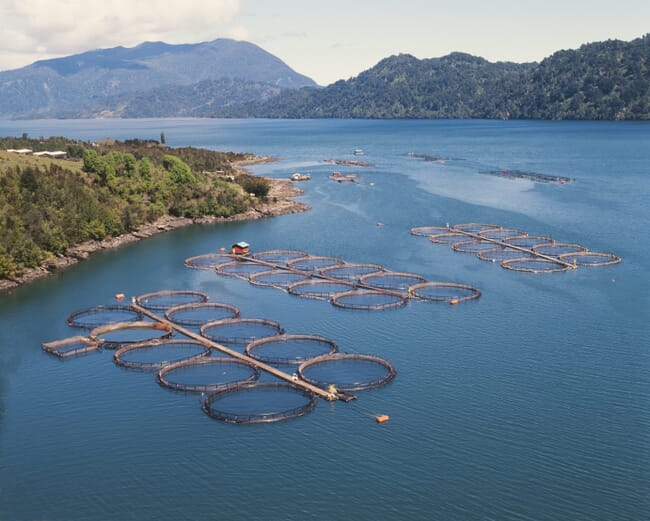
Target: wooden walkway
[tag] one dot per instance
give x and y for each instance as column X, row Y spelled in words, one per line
column 327, row 395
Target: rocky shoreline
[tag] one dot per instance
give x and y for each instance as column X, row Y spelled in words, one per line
column 280, row 202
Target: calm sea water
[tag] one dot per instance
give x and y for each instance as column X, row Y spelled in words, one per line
column 531, row 403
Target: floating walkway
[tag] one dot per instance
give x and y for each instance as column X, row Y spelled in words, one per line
column 515, row 249
column 343, row 284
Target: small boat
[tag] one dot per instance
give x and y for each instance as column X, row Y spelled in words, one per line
column 358, row 152
column 343, row 178
column 297, row 176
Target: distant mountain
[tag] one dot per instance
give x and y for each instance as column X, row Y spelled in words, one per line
column 605, row 80
column 70, row 84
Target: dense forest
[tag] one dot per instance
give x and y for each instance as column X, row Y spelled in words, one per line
column 107, row 189
column 607, row 80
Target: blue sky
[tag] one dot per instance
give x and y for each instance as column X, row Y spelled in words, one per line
column 326, row 40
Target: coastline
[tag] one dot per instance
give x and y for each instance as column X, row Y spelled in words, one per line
column 280, row 201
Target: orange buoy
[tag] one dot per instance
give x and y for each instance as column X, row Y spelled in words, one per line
column 222, row 249
column 382, row 418
column 453, row 301
column 119, row 296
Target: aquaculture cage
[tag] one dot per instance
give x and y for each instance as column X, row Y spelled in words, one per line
column 197, row 314
column 425, row 231
column 290, row 349
column 368, row 300
column 590, row 258
column 279, row 257
column 475, row 227
column 558, row 248
column 447, row 237
column 114, row 336
column 154, row 355
column 445, row 292
column 392, row 280
column 259, row 403
column 473, row 246
column 163, row 300
column 102, row 315
column 315, row 264
column 529, row 241
column 241, row 269
column 318, row 288
column 207, row 374
column 347, row 372
column 500, row 254
column 351, row 272
column 207, row 261
column 240, row 330
column 72, row 346
column 280, row 278
column 502, row 233
column 534, row 265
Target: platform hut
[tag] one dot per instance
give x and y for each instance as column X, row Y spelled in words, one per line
column 241, row 248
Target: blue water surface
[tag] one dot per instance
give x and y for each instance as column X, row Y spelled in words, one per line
column 530, row 403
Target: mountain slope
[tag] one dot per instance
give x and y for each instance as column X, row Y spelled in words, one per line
column 50, row 87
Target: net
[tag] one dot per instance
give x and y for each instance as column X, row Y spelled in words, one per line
column 351, row 272
column 72, row 346
column 114, row 336
column 529, row 241
column 392, row 280
column 476, row 227
column 500, row 254
column 155, row 355
column 368, row 300
column 290, row 349
column 425, row 231
column 259, row 403
column 163, row 300
column 207, row 375
column 200, row 313
column 318, row 289
column 240, row 269
column 447, row 237
column 502, row 233
column 534, row 265
column 347, row 372
column 207, row 261
column 102, row 315
column 280, row 279
column 473, row 246
column 240, row 330
column 444, row 292
column 315, row 264
column 558, row 248
column 590, row 258
column 279, row 257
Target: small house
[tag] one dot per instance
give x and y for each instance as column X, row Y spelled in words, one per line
column 241, row 248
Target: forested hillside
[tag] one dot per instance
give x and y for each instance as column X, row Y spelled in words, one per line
column 113, row 187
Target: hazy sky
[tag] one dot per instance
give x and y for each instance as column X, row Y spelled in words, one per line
column 327, row 40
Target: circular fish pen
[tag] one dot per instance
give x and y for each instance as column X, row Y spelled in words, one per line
column 351, row 272
column 473, row 246
column 500, row 254
column 195, row 315
column 315, row 264
column 529, row 241
column 149, row 356
column 207, row 261
column 318, row 289
column 476, row 227
column 72, row 346
column 534, row 265
column 347, row 372
column 207, row 375
column 425, row 231
column 290, row 349
column 163, row 300
column 558, row 248
column 502, row 234
column 240, row 269
column 279, row 257
column 91, row 318
column 444, row 292
column 114, row 336
column 240, row 330
column 259, row 403
column 280, row 279
column 368, row 300
column 590, row 258
column 447, row 238
column 392, row 280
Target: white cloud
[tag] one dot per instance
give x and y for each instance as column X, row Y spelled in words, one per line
column 44, row 28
